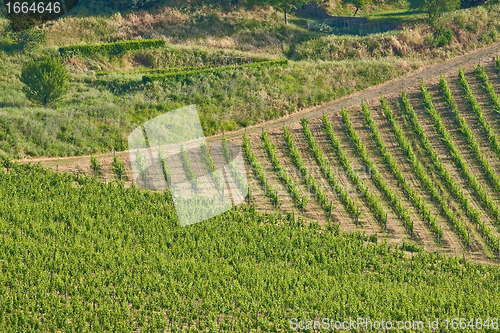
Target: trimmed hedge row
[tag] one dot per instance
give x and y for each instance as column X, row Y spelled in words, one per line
column 180, row 76
column 110, row 48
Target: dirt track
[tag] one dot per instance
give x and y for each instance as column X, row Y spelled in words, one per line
column 373, row 93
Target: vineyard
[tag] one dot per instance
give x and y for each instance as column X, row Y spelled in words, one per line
column 82, row 256
column 421, row 166
column 389, row 210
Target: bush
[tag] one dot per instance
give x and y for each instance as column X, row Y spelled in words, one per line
column 180, row 76
column 444, row 37
column 110, row 48
column 29, row 39
column 45, row 80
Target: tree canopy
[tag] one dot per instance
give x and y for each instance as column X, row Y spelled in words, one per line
column 285, row 6
column 359, row 4
column 434, row 8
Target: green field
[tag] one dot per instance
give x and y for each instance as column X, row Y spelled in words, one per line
column 98, row 257
column 388, row 211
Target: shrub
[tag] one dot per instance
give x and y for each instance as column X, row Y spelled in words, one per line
column 45, row 80
column 444, row 37
column 110, row 48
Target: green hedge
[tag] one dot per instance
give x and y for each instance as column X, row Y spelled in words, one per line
column 180, row 76
column 110, row 48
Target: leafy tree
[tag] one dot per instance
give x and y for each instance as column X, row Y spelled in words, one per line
column 359, row 4
column 45, row 80
column 285, row 6
column 434, row 8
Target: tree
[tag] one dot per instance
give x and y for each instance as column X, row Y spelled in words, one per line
column 434, row 8
column 285, row 6
column 359, row 4
column 45, row 80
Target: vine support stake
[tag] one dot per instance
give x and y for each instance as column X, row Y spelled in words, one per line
column 468, row 240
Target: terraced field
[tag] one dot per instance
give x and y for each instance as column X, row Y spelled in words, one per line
column 422, row 165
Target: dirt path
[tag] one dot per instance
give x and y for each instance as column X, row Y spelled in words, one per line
column 394, row 86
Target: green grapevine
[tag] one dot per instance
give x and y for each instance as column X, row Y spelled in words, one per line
column 488, row 130
column 459, row 225
column 299, row 198
column 473, row 144
column 373, row 201
column 261, row 176
column 417, row 200
column 377, row 177
column 308, row 178
column 351, row 206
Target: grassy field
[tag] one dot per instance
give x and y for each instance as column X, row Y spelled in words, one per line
column 96, row 117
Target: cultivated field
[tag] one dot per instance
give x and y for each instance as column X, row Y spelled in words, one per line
column 421, row 166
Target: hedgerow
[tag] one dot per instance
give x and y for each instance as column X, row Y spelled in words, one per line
column 110, row 48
